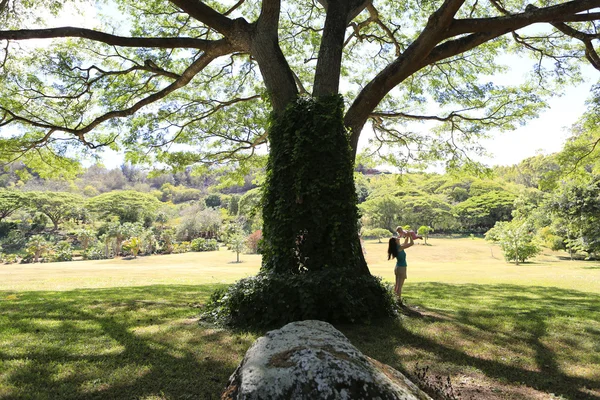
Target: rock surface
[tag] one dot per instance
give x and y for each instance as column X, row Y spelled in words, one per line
column 313, row 360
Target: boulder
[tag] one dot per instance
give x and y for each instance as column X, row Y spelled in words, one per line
column 313, row 360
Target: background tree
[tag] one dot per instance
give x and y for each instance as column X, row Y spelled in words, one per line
column 376, row 233
column 10, row 201
column 424, row 231
column 237, row 244
column 58, row 206
column 480, row 213
column 575, row 207
column 127, row 205
column 515, row 238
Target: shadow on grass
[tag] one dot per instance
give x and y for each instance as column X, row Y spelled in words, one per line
column 516, row 336
column 119, row 343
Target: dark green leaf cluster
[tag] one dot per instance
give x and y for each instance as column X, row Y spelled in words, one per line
column 201, row 244
column 309, row 199
column 272, row 299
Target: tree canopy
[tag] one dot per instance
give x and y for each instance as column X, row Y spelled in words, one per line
column 147, row 77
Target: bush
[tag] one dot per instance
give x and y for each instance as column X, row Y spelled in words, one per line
column 201, row 244
column 377, row 233
column 7, row 227
column 183, row 247
column 95, row 252
column 268, row 299
column 253, row 242
column 8, row 258
column 62, row 251
column 15, row 240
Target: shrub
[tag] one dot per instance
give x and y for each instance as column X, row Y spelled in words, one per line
column 62, row 251
column 183, row 247
column 132, row 246
column 95, row 252
column 253, row 242
column 37, row 246
column 515, row 239
column 201, row 244
column 8, row 258
column 15, row 239
column 269, row 299
column 377, row 233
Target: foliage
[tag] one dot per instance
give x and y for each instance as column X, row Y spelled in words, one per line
column 10, row 201
column 58, row 206
column 309, row 200
column 237, row 244
column 15, row 239
column 253, row 241
column 201, row 244
column 376, row 233
column 179, row 194
column 250, row 302
column 37, row 246
column 250, row 207
column 425, row 231
column 198, row 222
column 167, row 240
column 212, row 200
column 132, row 246
column 382, row 212
column 95, row 252
column 516, row 240
column 62, row 251
column 480, row 213
column 127, row 205
column 575, row 206
column 86, row 236
column 8, row 258
column 182, row 247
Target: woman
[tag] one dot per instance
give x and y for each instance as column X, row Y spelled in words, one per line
column 396, row 250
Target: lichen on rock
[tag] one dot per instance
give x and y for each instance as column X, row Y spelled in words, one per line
column 313, row 360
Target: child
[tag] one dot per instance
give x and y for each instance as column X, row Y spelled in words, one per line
column 411, row 233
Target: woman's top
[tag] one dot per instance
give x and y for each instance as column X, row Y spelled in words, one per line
column 401, row 258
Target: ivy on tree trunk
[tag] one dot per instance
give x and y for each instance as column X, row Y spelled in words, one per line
column 310, row 212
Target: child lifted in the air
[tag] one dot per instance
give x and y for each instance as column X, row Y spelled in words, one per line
column 402, row 233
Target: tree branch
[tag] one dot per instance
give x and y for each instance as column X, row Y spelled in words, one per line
column 183, row 80
column 113, row 40
column 206, row 15
column 274, row 68
column 558, row 13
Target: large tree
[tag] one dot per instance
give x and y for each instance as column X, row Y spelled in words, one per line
column 155, row 76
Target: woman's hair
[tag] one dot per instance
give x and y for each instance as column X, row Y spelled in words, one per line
column 392, row 249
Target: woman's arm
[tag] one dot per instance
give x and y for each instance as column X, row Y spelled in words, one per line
column 408, row 241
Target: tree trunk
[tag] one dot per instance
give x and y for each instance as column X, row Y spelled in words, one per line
column 310, row 206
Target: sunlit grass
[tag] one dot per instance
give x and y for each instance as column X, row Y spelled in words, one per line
column 128, row 329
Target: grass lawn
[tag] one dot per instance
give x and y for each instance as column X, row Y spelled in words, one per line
column 127, row 329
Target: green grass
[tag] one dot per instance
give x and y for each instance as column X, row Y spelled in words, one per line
column 120, row 343
column 128, row 329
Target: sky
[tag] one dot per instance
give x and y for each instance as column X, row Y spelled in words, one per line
column 546, row 134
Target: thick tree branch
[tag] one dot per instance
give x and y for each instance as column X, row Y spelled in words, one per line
column 175, row 42
column 586, row 38
column 274, row 68
column 558, row 13
column 207, row 16
column 401, row 68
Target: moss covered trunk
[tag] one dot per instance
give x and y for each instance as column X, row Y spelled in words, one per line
column 313, row 266
column 310, row 213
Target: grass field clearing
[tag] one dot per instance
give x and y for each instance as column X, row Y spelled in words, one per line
column 128, row 329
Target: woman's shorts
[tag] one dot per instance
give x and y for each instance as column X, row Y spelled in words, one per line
column 400, row 272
